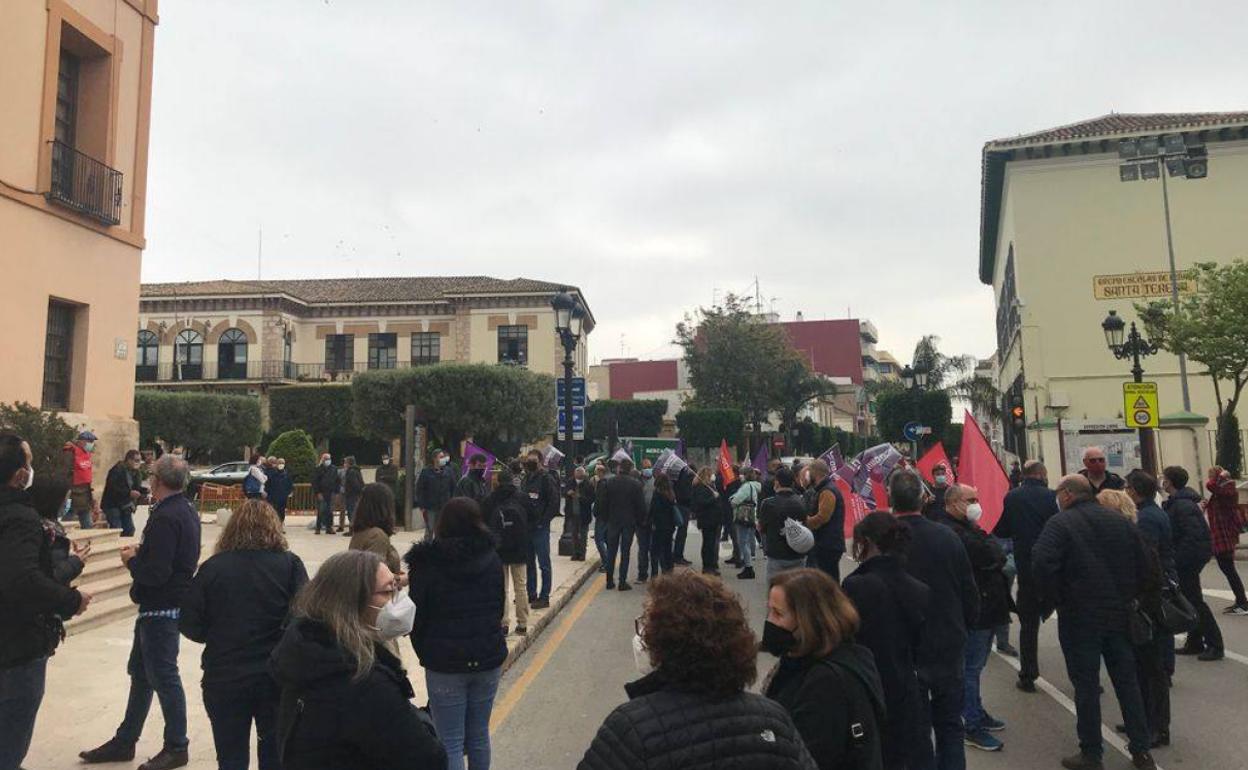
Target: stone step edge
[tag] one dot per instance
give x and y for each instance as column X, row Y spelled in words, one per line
column 573, row 585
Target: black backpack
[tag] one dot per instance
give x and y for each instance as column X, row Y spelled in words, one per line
column 866, row 721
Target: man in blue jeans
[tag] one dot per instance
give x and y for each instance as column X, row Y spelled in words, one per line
column 29, row 597
column 162, row 568
column 542, row 493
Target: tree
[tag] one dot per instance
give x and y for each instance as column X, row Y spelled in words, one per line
column 300, row 455
column 1211, row 327
column 794, row 386
column 953, row 439
column 46, row 433
column 642, row 417
column 324, row 411
column 203, row 424
column 494, row 404
column 706, row 428
column 942, row 370
column 895, row 408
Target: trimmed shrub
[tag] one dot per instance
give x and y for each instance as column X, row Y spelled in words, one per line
column 708, row 427
column 46, row 433
column 204, row 424
column 324, row 411
column 296, row 446
column 643, row 417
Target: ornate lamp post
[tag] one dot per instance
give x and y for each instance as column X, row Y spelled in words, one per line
column 915, row 381
column 1132, row 345
column 569, row 322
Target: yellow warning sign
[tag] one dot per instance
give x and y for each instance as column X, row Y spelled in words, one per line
column 1139, row 404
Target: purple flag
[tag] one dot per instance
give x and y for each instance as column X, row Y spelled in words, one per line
column 552, row 456
column 680, row 449
column 471, row 450
column 668, row 462
column 875, row 463
column 759, row 463
column 834, row 459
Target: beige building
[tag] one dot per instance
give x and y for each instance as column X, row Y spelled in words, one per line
column 1064, row 241
column 245, row 336
column 76, row 90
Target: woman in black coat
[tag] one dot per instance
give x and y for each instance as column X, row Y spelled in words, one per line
column 663, row 522
column 827, row 683
column 236, row 607
column 457, row 583
column 346, row 700
column 697, row 654
column 709, row 517
column 890, row 607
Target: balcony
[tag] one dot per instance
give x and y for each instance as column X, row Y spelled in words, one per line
column 85, row 185
column 251, row 371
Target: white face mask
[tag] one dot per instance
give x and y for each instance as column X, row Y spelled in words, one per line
column 941, row 478
column 90, row 446
column 327, row 462
column 30, row 477
column 973, row 512
column 396, row 617
column 281, row 466
column 641, row 658
column 442, row 461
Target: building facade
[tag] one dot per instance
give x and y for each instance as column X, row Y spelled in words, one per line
column 76, row 85
column 246, row 336
column 1064, row 240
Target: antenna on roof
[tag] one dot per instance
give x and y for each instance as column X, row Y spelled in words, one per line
column 758, row 302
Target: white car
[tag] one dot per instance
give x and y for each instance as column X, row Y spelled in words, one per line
column 226, row 474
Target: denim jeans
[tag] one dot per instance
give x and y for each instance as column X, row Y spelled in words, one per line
column 348, row 504
column 119, row 518
column 746, row 536
column 21, row 692
column 540, row 560
column 1083, row 648
column 460, row 705
column 776, row 566
column 941, row 695
column 153, row 669
column 978, row 647
column 600, row 539
column 231, row 710
column 325, row 513
column 619, row 541
column 431, row 523
column 644, row 567
column 661, row 549
column 84, row 520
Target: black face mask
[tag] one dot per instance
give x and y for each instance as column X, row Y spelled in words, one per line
column 531, row 467
column 777, row 640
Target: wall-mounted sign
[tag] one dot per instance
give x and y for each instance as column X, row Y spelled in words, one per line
column 1141, row 285
column 120, row 348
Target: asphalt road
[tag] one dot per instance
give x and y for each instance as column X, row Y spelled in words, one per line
column 551, row 703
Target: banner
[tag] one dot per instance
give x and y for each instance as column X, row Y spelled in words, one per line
column 855, row 507
column 930, row 459
column 980, row 468
column 874, row 465
column 670, row 463
column 551, row 456
column 472, row 450
column 834, row 459
column 726, row 473
column 759, row 463
column 621, row 455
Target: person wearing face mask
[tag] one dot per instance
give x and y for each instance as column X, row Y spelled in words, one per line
column 941, row 479
column 82, row 503
column 31, row 601
column 324, row 487
column 962, row 513
column 345, row 699
column 279, row 486
column 507, row 515
column 473, row 484
column 434, row 486
column 236, row 607
column 388, row 473
column 458, row 586
column 122, row 491
column 542, row 492
column 827, row 683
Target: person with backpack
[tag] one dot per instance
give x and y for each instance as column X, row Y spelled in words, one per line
column 773, row 512
column 745, row 520
column 827, row 683
column 253, row 484
column 507, row 514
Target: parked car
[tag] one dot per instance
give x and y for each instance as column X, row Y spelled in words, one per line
column 226, row 474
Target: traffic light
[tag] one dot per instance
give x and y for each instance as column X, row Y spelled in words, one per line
column 1017, row 416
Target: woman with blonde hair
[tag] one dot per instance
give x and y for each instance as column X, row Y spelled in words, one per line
column 827, row 683
column 236, row 607
column 1117, row 500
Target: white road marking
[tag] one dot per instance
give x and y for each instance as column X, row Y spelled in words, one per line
column 1108, row 734
column 1218, row 594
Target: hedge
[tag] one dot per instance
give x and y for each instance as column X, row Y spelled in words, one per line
column 643, row 417
column 46, row 433
column 324, row 411
column 295, row 446
column 708, row 427
column 203, row 424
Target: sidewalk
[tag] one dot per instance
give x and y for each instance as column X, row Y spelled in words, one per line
column 87, row 682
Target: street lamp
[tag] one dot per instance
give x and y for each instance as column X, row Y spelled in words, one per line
column 1153, row 157
column 915, row 380
column 569, row 323
column 1132, row 345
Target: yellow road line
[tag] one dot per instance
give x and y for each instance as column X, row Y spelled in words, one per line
column 504, row 706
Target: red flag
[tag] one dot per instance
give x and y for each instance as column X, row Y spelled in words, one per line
column 930, row 459
column 855, row 507
column 726, row 474
column 880, row 493
column 980, row 468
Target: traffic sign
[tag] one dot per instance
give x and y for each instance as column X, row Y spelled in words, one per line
column 913, row 430
column 1139, row 404
column 578, row 423
column 578, row 392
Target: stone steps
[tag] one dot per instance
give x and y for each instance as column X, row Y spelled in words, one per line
column 104, row 577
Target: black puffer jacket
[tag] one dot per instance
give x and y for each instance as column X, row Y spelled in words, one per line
column 1193, row 545
column 662, row 728
column 329, row 721
column 457, row 585
column 988, row 563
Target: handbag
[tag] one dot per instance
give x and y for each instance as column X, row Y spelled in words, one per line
column 1177, row 615
column 1139, row 624
column 798, row 536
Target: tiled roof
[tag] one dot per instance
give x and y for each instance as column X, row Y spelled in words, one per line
column 357, row 290
column 1123, row 123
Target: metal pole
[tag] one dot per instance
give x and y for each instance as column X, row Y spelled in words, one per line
column 571, row 523
column 1174, row 285
column 409, row 502
column 1148, row 442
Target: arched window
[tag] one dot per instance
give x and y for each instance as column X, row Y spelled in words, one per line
column 147, row 356
column 188, row 355
column 232, row 355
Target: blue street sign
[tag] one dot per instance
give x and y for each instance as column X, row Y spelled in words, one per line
column 578, row 423
column 578, row 392
column 913, row 430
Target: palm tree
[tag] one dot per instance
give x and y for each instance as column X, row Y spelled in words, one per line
column 955, row 375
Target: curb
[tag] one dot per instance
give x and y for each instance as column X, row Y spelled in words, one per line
column 573, row 584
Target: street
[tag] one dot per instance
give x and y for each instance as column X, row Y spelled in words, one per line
column 552, row 702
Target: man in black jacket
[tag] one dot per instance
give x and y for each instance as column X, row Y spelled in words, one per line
column 542, row 492
column 1096, row 471
column 473, row 484
column 30, row 602
column 162, row 568
column 122, row 491
column 622, row 504
column 324, row 487
column 1090, row 565
column 434, row 486
column 939, row 560
column 352, row 488
column 1193, row 548
column 1028, row 508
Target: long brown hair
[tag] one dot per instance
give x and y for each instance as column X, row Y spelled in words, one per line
column 253, row 527
column 825, row 616
column 337, row 596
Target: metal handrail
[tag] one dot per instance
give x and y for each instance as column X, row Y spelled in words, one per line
column 85, row 185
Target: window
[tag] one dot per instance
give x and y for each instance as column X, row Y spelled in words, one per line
column 188, row 355
column 58, row 355
column 339, row 352
column 383, row 351
column 67, row 98
column 426, row 348
column 147, row 356
column 288, row 355
column 232, row 355
column 513, row 345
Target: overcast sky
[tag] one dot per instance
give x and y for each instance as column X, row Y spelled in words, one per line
column 655, row 154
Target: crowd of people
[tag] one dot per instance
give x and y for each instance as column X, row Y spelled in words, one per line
column 879, row 670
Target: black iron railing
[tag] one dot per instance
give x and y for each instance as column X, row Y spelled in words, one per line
column 84, row 184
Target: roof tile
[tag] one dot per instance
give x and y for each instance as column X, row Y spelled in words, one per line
column 1120, row 123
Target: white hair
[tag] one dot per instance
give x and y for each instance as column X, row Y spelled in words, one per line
column 1089, row 451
